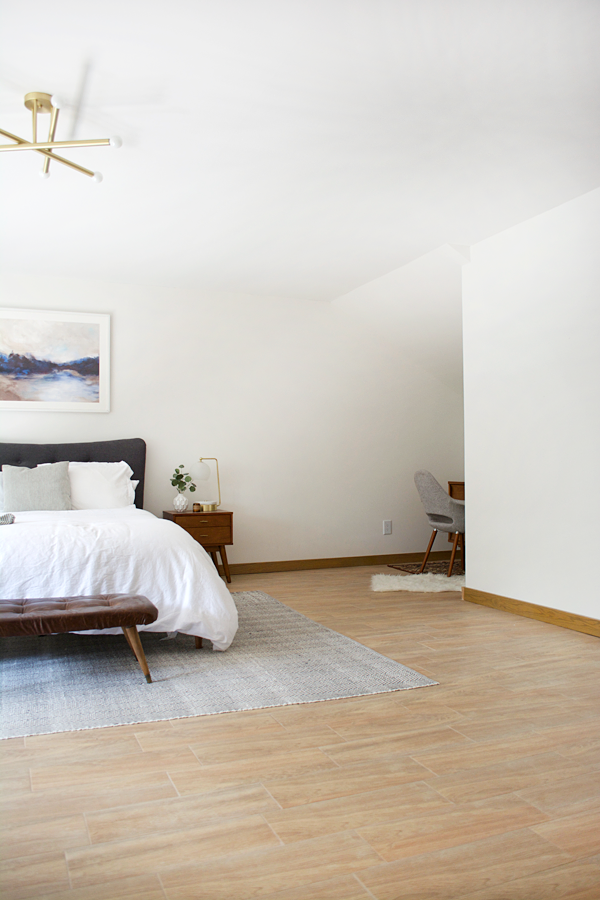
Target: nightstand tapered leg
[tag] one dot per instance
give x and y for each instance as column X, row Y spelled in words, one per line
column 223, row 553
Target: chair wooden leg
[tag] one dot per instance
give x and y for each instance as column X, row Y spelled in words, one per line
column 453, row 554
column 133, row 639
column 463, row 553
column 428, row 551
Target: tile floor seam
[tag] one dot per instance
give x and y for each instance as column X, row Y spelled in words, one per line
column 477, row 839
column 69, row 872
column 282, row 843
column 164, row 834
column 448, row 801
column 200, row 763
column 456, row 847
column 162, row 887
column 197, row 864
column 137, row 740
column 363, row 886
column 335, row 764
column 273, row 798
column 589, row 856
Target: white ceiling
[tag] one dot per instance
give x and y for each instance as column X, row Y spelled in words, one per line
column 294, row 148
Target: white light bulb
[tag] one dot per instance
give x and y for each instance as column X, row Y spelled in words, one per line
column 56, row 101
column 116, row 142
column 44, row 174
column 200, row 471
column 97, row 177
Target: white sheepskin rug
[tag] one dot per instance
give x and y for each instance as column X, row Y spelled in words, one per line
column 426, row 584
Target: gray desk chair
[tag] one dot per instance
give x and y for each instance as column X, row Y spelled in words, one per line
column 443, row 512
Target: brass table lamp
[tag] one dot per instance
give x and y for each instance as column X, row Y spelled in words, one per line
column 201, row 472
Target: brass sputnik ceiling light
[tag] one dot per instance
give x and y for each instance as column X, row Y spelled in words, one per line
column 38, row 102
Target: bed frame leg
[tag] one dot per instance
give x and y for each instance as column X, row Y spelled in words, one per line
column 198, row 642
column 133, row 639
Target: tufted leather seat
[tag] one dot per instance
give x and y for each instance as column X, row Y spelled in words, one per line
column 57, row 615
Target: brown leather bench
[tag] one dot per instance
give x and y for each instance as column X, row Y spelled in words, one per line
column 57, row 615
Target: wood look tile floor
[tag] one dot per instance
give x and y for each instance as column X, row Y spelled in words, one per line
column 485, row 787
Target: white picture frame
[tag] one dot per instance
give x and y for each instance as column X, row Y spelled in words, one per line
column 54, row 361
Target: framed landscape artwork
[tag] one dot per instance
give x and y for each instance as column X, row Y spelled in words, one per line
column 54, row 361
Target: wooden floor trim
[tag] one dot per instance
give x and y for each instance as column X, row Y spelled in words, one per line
column 533, row 611
column 336, row 562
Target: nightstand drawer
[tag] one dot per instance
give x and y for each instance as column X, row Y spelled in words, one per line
column 197, row 520
column 209, row 534
column 211, row 528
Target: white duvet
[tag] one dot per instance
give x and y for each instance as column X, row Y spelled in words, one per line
column 105, row 551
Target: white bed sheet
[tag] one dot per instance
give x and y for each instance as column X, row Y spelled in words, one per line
column 128, row 550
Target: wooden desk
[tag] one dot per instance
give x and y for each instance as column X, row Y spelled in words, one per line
column 456, row 489
column 211, row 529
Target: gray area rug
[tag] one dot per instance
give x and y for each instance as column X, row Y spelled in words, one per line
column 69, row 682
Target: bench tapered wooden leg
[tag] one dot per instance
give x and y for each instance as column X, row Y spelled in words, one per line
column 133, row 639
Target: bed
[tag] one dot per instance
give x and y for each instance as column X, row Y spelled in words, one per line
column 71, row 552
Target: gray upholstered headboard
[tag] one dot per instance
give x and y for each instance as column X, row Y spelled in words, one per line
column 132, row 450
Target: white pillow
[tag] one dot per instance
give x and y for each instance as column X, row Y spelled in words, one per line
column 96, row 485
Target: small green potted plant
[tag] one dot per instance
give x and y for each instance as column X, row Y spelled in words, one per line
column 183, row 482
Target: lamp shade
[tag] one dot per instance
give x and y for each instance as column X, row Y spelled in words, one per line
column 200, row 471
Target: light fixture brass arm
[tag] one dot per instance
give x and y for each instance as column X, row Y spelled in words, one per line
column 50, row 145
column 51, row 133
column 40, row 102
column 48, row 153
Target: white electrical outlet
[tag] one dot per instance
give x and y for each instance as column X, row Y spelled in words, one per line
column 387, row 526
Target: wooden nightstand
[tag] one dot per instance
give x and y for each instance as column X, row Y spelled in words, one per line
column 211, row 529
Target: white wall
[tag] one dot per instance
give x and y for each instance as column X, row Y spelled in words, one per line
column 532, row 400
column 419, row 308
column 318, row 423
